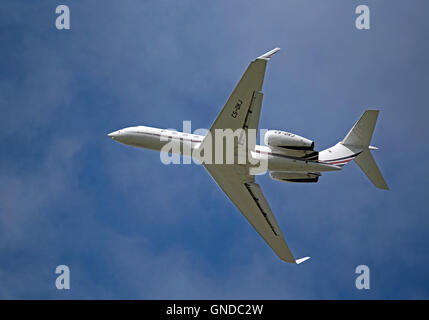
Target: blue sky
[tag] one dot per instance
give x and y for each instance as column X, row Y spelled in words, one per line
column 129, row 227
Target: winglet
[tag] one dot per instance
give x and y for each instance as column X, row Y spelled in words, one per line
column 269, row 54
column 298, row 261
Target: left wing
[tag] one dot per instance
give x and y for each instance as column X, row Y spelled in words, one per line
column 247, row 195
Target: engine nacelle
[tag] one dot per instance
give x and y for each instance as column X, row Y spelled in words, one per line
column 299, row 177
column 286, row 140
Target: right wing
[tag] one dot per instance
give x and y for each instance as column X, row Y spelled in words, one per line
column 247, row 195
column 243, row 108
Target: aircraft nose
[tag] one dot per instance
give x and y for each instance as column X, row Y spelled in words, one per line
column 114, row 134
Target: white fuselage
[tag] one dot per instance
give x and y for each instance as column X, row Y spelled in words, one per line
column 156, row 139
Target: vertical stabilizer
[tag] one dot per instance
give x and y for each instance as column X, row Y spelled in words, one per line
column 361, row 133
column 356, row 146
column 360, row 137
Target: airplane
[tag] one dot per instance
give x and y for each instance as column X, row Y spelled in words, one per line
column 289, row 157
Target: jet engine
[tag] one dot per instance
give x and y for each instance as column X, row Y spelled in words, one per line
column 286, row 140
column 295, row 176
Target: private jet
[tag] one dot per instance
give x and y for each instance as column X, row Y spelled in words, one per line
column 288, row 157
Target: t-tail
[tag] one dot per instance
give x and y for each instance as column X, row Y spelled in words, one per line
column 356, row 146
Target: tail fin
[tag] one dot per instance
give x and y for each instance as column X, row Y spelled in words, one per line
column 361, row 133
column 356, row 146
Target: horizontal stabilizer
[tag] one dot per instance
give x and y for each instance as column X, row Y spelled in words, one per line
column 368, row 165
